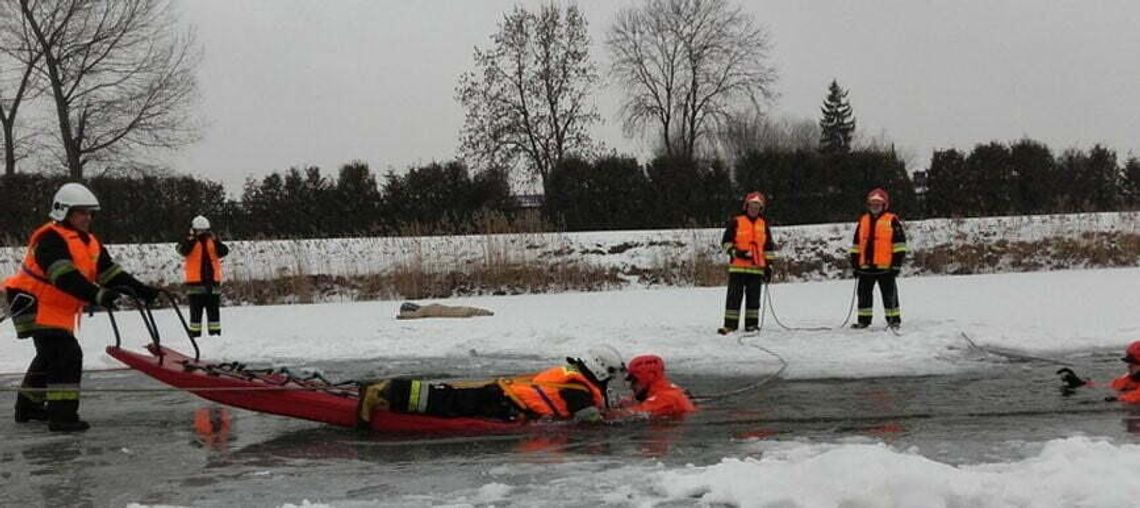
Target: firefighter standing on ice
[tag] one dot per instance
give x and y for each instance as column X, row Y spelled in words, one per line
column 877, row 253
column 203, row 272
column 65, row 268
column 748, row 242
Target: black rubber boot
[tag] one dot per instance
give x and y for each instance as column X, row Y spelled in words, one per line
column 28, row 410
column 63, row 416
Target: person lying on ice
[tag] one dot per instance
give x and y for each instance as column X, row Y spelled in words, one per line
column 575, row 391
column 654, row 396
column 1127, row 386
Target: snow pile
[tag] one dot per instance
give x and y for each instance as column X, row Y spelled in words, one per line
column 1077, row 471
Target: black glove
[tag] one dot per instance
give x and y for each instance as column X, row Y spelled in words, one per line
column 895, row 270
column 1070, row 378
column 106, row 298
column 742, row 253
column 148, row 294
column 767, row 275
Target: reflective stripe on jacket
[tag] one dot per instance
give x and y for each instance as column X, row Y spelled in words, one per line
column 54, row 308
column 541, row 395
column 192, row 266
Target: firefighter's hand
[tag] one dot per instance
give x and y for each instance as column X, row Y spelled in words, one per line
column 767, row 275
column 106, row 298
column 148, row 294
column 895, row 270
column 742, row 253
column 1070, row 378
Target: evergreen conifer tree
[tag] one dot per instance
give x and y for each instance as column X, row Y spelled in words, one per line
column 838, row 122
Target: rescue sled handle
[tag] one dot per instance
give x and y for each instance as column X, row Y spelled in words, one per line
column 149, row 322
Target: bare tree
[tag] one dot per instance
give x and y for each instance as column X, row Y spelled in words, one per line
column 748, row 131
column 685, row 66
column 120, row 73
column 528, row 99
column 18, row 60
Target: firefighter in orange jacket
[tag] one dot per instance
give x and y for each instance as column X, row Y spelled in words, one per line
column 65, row 268
column 575, row 391
column 1127, row 386
column 877, row 254
column 748, row 242
column 203, row 275
column 654, row 396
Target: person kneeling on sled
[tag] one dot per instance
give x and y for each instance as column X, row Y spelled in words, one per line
column 748, row 242
column 65, row 268
column 575, row 391
column 654, row 396
column 877, row 253
column 1127, row 386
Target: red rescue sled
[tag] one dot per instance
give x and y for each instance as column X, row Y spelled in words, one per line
column 283, row 394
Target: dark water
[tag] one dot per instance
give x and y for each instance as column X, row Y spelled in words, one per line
column 143, row 446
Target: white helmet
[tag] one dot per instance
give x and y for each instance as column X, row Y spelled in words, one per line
column 603, row 362
column 71, row 195
column 200, row 222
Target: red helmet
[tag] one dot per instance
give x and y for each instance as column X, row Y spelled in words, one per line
column 646, row 369
column 879, row 195
column 754, row 197
column 1132, row 354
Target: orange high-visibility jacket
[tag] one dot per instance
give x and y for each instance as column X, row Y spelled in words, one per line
column 54, row 308
column 876, row 244
column 751, row 235
column 192, row 267
column 541, row 394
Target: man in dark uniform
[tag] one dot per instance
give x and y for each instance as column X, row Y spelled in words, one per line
column 748, row 242
column 877, row 253
column 65, row 268
column 203, row 274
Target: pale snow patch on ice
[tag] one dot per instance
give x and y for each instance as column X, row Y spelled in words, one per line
column 1077, row 471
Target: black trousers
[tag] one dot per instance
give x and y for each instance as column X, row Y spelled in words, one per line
column 56, row 371
column 747, row 286
column 209, row 299
column 887, row 288
column 442, row 399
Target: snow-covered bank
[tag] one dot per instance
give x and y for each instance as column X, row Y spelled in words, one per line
column 627, row 251
column 1045, row 313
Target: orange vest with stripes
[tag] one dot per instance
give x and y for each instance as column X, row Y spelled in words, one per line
column 192, row 267
column 883, row 250
column 540, row 394
column 750, row 236
column 54, row 307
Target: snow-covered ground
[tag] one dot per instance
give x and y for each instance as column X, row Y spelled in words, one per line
column 626, row 251
column 1041, row 313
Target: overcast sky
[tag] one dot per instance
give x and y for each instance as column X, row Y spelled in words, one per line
column 291, row 83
